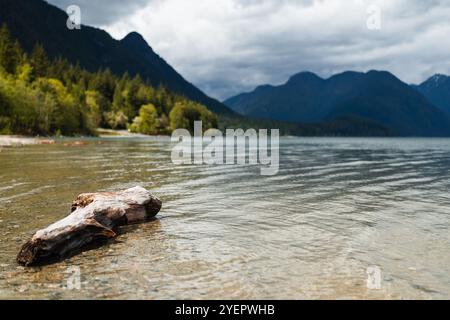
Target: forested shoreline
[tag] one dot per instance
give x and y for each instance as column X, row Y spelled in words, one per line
column 40, row 96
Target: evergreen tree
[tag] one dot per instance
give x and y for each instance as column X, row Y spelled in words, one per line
column 104, row 83
column 39, row 61
column 118, row 102
column 11, row 54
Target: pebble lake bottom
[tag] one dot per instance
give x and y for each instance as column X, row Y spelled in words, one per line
column 337, row 207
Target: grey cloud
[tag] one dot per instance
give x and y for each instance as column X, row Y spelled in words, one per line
column 102, row 12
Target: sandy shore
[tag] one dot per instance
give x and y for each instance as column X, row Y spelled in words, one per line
column 106, row 133
column 18, row 141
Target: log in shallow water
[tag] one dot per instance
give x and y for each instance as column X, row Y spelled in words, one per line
column 94, row 216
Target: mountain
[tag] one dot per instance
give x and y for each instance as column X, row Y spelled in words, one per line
column 376, row 96
column 35, row 21
column 437, row 90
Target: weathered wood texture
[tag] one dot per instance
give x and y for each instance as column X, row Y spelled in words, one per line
column 94, row 216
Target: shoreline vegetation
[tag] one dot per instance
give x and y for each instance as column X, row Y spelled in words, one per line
column 43, row 97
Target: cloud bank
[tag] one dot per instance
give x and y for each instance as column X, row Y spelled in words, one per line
column 229, row 46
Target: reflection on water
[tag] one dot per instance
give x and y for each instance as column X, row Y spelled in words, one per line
column 337, row 207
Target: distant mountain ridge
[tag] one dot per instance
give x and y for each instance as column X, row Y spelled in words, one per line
column 36, row 21
column 437, row 90
column 376, row 96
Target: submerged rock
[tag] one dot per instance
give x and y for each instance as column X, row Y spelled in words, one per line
column 94, row 216
column 76, row 144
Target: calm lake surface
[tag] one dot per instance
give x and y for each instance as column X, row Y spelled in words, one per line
column 336, row 207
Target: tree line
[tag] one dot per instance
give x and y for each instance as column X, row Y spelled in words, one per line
column 42, row 96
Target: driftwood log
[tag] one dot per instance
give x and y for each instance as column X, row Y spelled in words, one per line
column 94, row 216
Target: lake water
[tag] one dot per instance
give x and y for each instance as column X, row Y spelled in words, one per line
column 337, row 207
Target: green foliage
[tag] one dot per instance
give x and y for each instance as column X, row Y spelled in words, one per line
column 66, row 115
column 24, row 72
column 39, row 96
column 116, row 119
column 147, row 122
column 184, row 114
column 95, row 105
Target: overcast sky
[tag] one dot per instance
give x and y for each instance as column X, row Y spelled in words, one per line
column 226, row 47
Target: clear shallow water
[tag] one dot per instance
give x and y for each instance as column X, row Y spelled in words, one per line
column 336, row 207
